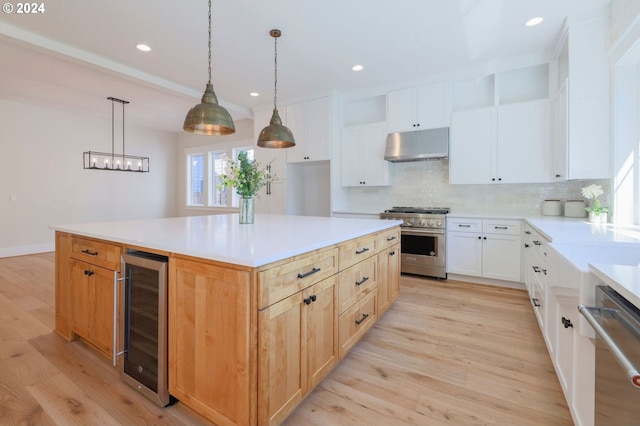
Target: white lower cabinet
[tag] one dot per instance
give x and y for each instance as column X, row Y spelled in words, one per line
column 488, row 248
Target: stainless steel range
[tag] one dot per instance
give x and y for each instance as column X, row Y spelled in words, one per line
column 423, row 240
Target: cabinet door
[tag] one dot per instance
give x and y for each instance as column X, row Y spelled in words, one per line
column 320, row 331
column 464, row 253
column 501, row 257
column 432, row 109
column 280, row 386
column 565, row 309
column 319, row 130
column 350, row 159
column 374, row 169
column 472, row 145
column 92, row 301
column 524, row 143
column 561, row 128
column 82, row 299
column 401, row 110
column 388, row 277
column 297, row 122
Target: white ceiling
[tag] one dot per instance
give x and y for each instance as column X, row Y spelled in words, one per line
column 77, row 53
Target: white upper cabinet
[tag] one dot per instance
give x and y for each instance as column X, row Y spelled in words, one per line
column 310, row 123
column 362, row 159
column 506, row 144
column 582, row 120
column 276, row 157
column 418, row 108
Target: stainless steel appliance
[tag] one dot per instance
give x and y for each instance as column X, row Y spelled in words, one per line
column 617, row 386
column 430, row 144
column 422, row 244
column 144, row 319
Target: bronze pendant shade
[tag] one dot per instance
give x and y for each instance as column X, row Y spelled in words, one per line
column 208, row 117
column 276, row 135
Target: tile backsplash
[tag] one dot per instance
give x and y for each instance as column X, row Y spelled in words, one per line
column 426, row 183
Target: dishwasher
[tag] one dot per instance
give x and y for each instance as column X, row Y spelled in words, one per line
column 616, row 322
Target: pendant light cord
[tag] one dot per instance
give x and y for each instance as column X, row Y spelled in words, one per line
column 113, row 126
column 209, row 41
column 275, row 68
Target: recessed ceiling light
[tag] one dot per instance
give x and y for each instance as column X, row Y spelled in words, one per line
column 143, row 47
column 357, row 67
column 534, row 21
column 254, row 94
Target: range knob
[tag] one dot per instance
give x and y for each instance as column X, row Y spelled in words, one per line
column 421, row 223
column 410, row 222
column 438, row 223
column 430, row 223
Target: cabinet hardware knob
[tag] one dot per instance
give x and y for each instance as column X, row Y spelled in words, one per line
column 536, row 242
column 500, row 179
column 363, row 250
column 393, row 253
column 90, row 253
column 484, row 238
column 527, row 232
column 362, row 281
column 544, row 271
column 88, row 272
column 566, row 322
column 391, row 238
column 307, row 300
column 479, row 237
column 313, row 297
column 364, row 317
column 558, row 176
column 311, row 272
column 535, row 302
column 526, row 245
column 493, row 179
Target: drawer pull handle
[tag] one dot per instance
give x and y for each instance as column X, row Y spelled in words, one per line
column 391, row 238
column 464, row 226
column 311, row 272
column 362, row 251
column 544, row 271
column 536, row 242
column 88, row 272
column 527, row 232
column 308, row 300
column 90, row 253
column 364, row 317
column 536, row 269
column 535, row 302
column 500, row 227
column 362, row 281
column 566, row 322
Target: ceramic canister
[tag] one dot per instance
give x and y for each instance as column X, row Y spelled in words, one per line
column 552, row 208
column 574, row 208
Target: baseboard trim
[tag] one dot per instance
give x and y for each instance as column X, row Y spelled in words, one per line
column 24, row 250
column 488, row 281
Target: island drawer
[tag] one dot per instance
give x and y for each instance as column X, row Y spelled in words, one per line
column 353, row 323
column 282, row 281
column 355, row 282
column 96, row 252
column 356, row 250
column 388, row 238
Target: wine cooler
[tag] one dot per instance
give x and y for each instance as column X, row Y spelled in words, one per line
column 144, row 324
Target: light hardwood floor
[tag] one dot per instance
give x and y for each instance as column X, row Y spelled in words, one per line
column 445, row 353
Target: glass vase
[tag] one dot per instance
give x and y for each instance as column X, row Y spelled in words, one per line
column 246, row 210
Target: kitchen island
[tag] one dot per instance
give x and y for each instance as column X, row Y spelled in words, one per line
column 258, row 314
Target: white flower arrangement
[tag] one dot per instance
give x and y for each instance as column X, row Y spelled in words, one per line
column 592, row 192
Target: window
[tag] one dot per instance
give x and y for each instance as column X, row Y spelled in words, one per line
column 204, row 167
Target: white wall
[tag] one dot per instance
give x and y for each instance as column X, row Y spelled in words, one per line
column 426, row 184
column 41, row 164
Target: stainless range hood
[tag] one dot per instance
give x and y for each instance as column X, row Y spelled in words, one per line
column 421, row 145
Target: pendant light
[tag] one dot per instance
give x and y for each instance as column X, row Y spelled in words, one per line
column 275, row 135
column 209, row 118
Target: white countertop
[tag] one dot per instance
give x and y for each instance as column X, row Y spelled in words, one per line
column 222, row 238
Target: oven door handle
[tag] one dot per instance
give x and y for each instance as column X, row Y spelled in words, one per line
column 419, row 232
column 629, row 368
